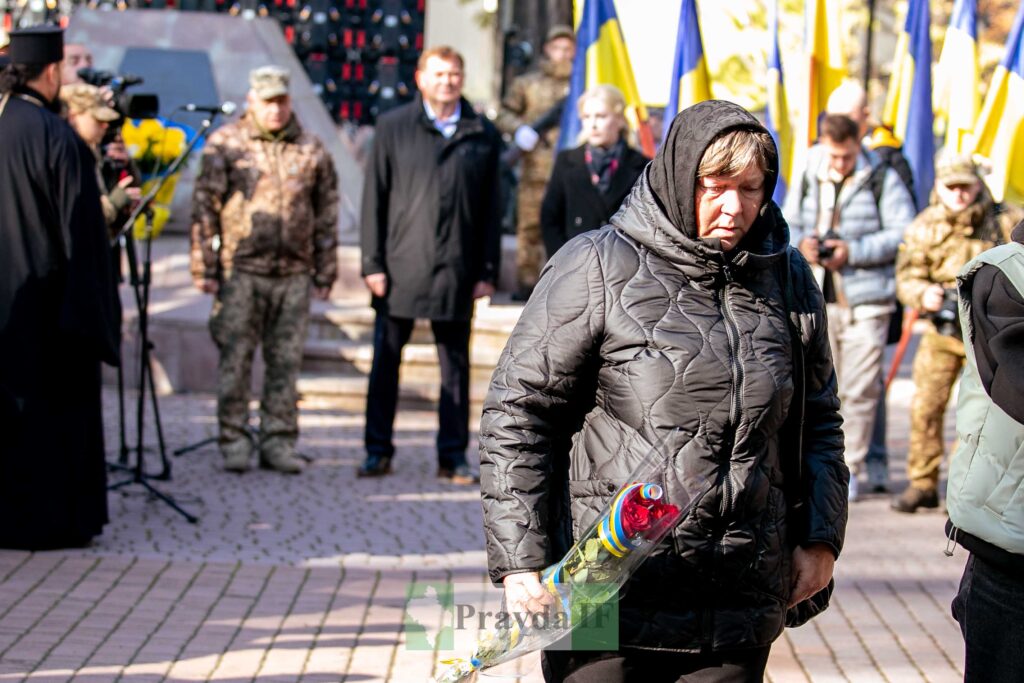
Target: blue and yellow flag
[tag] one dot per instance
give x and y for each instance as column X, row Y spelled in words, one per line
column 999, row 133
column 908, row 107
column 601, row 57
column 826, row 63
column 777, row 111
column 956, row 97
column 690, row 81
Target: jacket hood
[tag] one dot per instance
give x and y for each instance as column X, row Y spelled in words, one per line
column 673, row 172
column 643, row 219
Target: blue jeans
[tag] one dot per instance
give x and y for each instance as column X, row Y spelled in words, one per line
column 990, row 610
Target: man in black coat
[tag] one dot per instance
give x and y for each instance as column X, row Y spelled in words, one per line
column 430, row 241
column 59, row 313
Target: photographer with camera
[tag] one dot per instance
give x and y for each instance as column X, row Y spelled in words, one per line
column 76, row 57
column 91, row 117
column 961, row 221
column 848, row 225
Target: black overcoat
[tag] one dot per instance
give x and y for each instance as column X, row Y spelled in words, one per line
column 430, row 212
column 573, row 205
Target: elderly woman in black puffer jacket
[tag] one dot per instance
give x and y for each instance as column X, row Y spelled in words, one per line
column 690, row 322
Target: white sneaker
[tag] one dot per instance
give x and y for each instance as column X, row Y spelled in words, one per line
column 854, row 485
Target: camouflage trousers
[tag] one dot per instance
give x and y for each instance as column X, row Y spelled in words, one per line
column 937, row 365
column 530, row 255
column 274, row 312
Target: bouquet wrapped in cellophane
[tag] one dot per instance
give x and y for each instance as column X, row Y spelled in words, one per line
column 627, row 531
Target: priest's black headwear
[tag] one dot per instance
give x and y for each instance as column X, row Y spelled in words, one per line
column 37, row 45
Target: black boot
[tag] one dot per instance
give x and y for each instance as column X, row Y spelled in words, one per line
column 375, row 466
column 913, row 498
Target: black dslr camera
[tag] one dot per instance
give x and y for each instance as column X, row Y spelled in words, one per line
column 947, row 318
column 825, row 253
column 128, row 105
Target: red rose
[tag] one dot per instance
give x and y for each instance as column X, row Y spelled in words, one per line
column 636, row 519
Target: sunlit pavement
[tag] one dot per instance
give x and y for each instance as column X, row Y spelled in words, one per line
column 306, row 578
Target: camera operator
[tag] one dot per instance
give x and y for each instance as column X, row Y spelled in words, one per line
column 90, row 116
column 961, row 221
column 76, row 56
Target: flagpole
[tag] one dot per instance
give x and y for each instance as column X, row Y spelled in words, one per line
column 868, row 45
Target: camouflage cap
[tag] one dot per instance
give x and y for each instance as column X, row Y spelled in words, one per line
column 956, row 169
column 560, row 31
column 268, row 82
column 82, row 97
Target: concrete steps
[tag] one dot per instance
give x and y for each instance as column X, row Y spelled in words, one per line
column 339, row 347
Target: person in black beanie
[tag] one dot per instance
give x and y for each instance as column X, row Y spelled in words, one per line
column 59, row 312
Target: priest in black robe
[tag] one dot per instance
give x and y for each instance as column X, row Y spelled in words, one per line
column 59, row 312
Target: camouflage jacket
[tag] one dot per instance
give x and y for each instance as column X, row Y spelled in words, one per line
column 266, row 205
column 939, row 243
column 528, row 98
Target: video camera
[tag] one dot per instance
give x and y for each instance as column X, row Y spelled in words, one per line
column 947, row 318
column 128, row 105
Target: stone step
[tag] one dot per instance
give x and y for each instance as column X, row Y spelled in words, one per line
column 346, row 358
column 352, row 319
column 349, row 392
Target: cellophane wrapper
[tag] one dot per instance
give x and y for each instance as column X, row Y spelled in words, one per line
column 604, row 557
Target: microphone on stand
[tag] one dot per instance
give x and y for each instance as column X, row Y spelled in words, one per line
column 227, row 109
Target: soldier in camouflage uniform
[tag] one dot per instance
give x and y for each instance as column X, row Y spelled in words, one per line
column 529, row 97
column 961, row 222
column 264, row 233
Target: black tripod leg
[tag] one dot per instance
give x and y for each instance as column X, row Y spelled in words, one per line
column 153, row 491
column 165, row 473
column 122, row 457
column 195, row 446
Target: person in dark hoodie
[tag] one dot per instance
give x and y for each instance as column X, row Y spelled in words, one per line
column 986, row 511
column 687, row 322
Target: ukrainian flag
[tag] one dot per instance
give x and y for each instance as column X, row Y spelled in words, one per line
column 908, row 107
column 826, row 62
column 956, row 76
column 690, row 81
column 777, row 111
column 999, row 134
column 601, row 57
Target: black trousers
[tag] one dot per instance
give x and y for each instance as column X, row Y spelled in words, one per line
column 644, row 666
column 390, row 335
column 990, row 610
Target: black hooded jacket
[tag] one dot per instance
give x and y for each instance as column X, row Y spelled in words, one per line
column 641, row 333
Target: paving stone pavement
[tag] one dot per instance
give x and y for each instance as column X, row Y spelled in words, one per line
column 306, row 578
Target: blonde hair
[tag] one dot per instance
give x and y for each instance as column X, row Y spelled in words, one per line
column 734, row 152
column 613, row 99
column 445, row 52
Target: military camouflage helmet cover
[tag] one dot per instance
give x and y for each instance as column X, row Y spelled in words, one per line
column 268, row 82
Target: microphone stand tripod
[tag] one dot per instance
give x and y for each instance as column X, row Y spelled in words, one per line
column 141, row 287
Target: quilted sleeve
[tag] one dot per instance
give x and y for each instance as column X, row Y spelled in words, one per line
column 546, row 363
column 825, row 475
